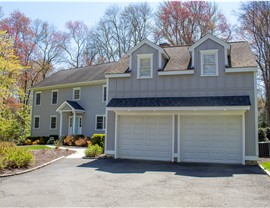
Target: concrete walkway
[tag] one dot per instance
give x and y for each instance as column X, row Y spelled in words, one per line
column 79, row 151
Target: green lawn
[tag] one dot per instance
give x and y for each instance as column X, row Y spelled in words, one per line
column 36, row 147
column 266, row 165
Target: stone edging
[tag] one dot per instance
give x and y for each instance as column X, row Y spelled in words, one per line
column 32, row 169
column 264, row 170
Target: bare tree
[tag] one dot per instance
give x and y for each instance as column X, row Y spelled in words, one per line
column 74, row 43
column 255, row 26
column 121, row 29
column 183, row 23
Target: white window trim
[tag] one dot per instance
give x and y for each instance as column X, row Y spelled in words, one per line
column 207, row 52
column 39, row 92
column 104, row 122
column 52, row 97
column 73, row 96
column 36, row 116
column 103, row 93
column 144, row 56
column 53, row 116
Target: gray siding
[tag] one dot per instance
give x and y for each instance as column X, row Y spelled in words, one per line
column 91, row 101
column 189, row 86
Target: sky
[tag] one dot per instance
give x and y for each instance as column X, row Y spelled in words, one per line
column 58, row 13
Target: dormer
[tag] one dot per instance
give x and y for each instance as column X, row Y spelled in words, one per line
column 209, row 55
column 146, row 58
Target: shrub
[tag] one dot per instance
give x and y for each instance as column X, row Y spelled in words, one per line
column 98, row 139
column 51, row 140
column 261, row 135
column 81, row 142
column 69, row 140
column 4, row 147
column 93, row 150
column 267, row 131
column 2, row 165
column 77, row 136
column 58, row 143
column 54, row 136
column 28, row 142
column 17, row 157
column 35, row 142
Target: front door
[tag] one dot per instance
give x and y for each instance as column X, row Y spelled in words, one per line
column 78, row 125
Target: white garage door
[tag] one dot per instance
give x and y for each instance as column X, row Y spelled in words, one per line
column 211, row 139
column 145, row 137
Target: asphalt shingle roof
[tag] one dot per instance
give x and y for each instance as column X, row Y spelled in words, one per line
column 68, row 76
column 180, row 101
column 75, row 105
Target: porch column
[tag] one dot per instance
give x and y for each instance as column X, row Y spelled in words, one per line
column 74, row 123
column 60, row 126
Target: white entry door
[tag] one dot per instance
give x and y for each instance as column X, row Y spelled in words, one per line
column 145, row 137
column 78, row 125
column 216, row 139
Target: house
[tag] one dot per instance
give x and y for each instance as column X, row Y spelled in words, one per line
column 188, row 104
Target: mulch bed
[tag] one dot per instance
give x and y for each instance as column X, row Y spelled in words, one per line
column 263, row 159
column 41, row 157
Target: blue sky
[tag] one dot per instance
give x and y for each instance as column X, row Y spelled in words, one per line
column 60, row 12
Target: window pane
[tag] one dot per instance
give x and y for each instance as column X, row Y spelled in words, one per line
column 76, row 94
column 38, row 96
column 100, row 122
column 209, row 69
column 54, row 98
column 145, row 72
column 209, row 59
column 36, row 122
column 104, row 93
column 145, row 63
column 53, row 122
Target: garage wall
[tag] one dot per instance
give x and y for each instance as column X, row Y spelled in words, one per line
column 226, row 84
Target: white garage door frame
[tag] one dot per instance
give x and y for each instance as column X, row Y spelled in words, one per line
column 116, row 155
column 229, row 113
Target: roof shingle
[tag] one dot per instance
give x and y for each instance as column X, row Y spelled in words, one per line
column 180, row 101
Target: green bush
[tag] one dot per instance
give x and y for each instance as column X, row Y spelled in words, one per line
column 267, row 131
column 17, row 157
column 12, row 156
column 262, row 135
column 93, row 150
column 98, row 139
column 4, row 147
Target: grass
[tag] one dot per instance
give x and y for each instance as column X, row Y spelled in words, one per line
column 266, row 165
column 36, row 147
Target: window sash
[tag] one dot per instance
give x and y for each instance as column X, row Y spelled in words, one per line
column 53, row 122
column 36, row 123
column 104, row 93
column 54, row 97
column 38, row 98
column 76, row 94
column 100, row 123
column 145, row 67
column 209, row 64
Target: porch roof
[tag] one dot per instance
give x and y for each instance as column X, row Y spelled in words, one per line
column 73, row 105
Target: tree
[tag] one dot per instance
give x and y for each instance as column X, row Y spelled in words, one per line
column 74, row 43
column 254, row 20
column 14, row 117
column 121, row 29
column 183, row 23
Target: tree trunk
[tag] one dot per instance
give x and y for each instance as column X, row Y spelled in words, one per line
column 267, row 103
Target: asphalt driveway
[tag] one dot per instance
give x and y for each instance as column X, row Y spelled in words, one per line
column 108, row 182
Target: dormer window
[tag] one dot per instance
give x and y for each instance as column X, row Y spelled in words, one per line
column 209, row 62
column 145, row 66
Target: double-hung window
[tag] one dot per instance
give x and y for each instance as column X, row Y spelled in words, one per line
column 104, row 93
column 76, row 93
column 53, row 123
column 145, row 66
column 100, row 122
column 36, row 122
column 54, row 97
column 38, row 98
column 209, row 62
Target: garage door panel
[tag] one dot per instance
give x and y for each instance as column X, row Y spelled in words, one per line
column 211, row 139
column 148, row 137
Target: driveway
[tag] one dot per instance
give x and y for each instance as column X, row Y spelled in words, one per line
column 112, row 183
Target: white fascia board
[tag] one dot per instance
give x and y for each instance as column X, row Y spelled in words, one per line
column 208, row 108
column 117, row 75
column 75, row 84
column 179, row 72
column 148, row 42
column 212, row 37
column 59, row 109
column 239, row 70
